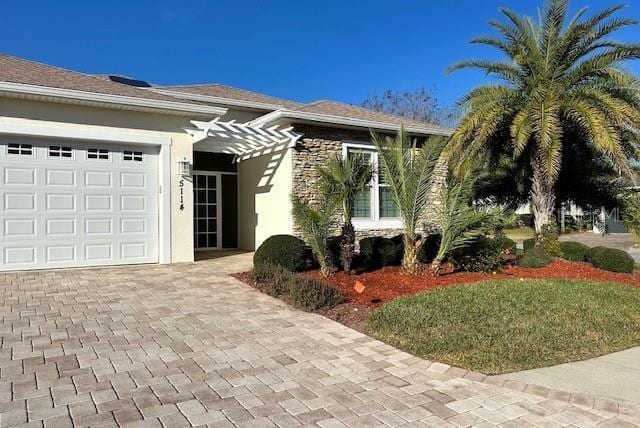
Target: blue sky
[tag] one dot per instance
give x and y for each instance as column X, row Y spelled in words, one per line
column 298, row 49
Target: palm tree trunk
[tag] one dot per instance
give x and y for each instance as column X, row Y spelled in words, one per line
column 410, row 264
column 542, row 198
column 347, row 245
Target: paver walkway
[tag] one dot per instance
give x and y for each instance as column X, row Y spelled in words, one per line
column 188, row 345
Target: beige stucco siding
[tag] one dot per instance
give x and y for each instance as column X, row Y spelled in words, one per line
column 164, row 127
column 265, row 185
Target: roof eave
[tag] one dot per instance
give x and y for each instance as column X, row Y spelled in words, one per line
column 315, row 118
column 46, row 93
column 217, row 100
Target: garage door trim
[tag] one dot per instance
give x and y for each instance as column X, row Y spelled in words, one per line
column 78, row 132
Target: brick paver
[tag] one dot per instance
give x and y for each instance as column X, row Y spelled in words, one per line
column 188, row 345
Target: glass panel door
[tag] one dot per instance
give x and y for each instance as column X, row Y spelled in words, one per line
column 205, row 211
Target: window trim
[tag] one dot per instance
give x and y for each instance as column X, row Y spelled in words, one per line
column 97, row 158
column 20, row 148
column 375, row 222
column 60, row 151
column 133, row 156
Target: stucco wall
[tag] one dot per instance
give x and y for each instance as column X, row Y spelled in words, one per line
column 264, row 205
column 14, row 111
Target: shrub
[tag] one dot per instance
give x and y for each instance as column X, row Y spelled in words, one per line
column 574, row 251
column 285, row 251
column 311, row 293
column 509, row 245
column 333, row 251
column 369, row 252
column 528, row 244
column 535, row 258
column 273, row 277
column 390, row 252
column 484, row 255
column 611, row 259
column 550, row 241
column 429, row 248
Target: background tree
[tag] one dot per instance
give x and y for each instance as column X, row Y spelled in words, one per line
column 561, row 83
column 343, row 178
column 408, row 170
column 420, row 105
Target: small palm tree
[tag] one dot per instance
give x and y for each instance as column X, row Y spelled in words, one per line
column 408, row 170
column 344, row 178
column 316, row 222
column 560, row 81
column 462, row 223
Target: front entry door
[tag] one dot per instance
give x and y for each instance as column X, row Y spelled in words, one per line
column 206, row 210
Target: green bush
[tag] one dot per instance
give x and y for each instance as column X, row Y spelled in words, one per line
column 528, row 244
column 311, row 293
column 429, row 248
column 285, row 251
column 535, row 258
column 369, row 252
column 390, row 251
column 574, row 251
column 274, row 278
column 550, row 241
column 484, row 255
column 611, row 259
column 333, row 249
column 509, row 245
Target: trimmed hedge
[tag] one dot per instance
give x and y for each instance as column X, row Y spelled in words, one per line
column 430, row 248
column 528, row 244
column 285, row 251
column 274, row 278
column 574, row 251
column 611, row 259
column 483, row 255
column 312, row 294
column 535, row 258
column 378, row 251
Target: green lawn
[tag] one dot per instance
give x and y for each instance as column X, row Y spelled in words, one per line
column 503, row 326
column 519, row 233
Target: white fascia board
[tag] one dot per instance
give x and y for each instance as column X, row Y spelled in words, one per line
column 34, row 128
column 346, row 121
column 108, row 99
column 216, row 100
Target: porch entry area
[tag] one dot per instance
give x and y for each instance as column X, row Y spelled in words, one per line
column 215, row 202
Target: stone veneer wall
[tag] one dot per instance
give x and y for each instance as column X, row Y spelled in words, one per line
column 317, row 145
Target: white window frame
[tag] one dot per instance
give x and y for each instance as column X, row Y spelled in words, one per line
column 375, row 221
column 60, row 150
column 20, row 148
column 98, row 154
column 134, row 154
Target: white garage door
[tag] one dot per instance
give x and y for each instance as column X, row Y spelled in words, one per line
column 69, row 204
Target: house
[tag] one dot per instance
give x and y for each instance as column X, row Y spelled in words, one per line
column 108, row 170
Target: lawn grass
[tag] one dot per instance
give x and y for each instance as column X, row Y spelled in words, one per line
column 519, row 233
column 504, row 326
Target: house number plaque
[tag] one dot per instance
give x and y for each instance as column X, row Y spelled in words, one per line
column 181, row 185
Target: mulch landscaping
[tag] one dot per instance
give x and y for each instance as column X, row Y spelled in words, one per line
column 384, row 285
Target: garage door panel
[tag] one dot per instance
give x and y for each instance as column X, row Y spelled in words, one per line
column 98, row 178
column 60, row 177
column 19, row 176
column 73, row 211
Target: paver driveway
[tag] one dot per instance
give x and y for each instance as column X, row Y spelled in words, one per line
column 188, row 345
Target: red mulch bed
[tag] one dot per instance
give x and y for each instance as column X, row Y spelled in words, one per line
column 386, row 284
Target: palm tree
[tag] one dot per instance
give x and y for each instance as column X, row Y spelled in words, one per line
column 344, row 178
column 408, row 170
column 560, row 80
column 316, row 222
column 461, row 222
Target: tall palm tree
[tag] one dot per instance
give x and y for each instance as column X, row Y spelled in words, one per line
column 344, row 178
column 560, row 79
column 408, row 171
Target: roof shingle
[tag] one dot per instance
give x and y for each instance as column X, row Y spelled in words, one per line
column 224, row 91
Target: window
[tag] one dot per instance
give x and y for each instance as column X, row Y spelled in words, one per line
column 60, row 152
column 98, row 154
column 376, row 203
column 129, row 155
column 20, row 149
